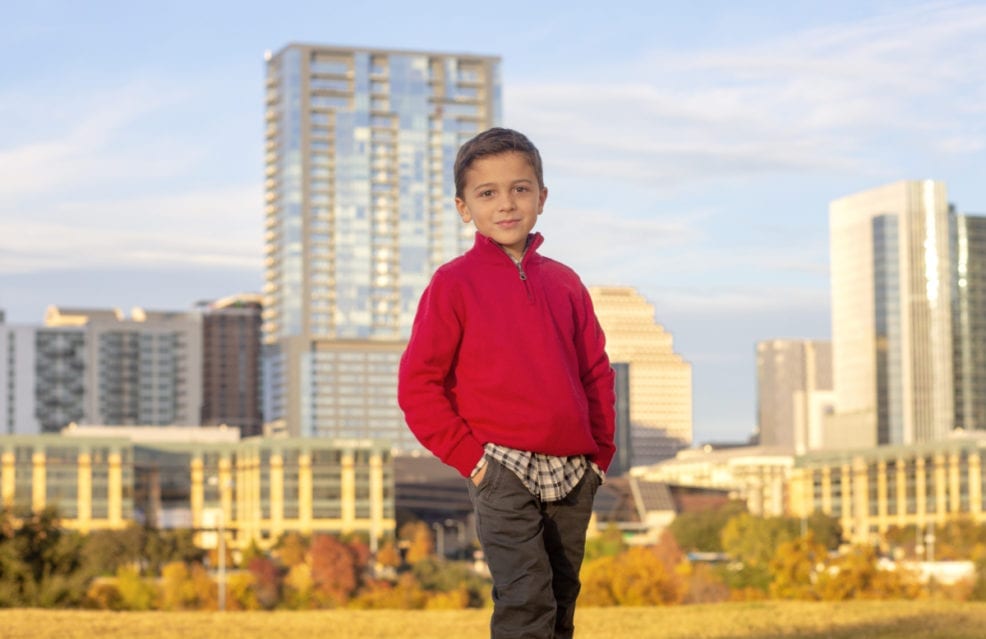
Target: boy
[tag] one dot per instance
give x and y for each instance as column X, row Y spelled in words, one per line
column 506, row 379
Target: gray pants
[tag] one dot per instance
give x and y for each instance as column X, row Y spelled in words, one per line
column 534, row 550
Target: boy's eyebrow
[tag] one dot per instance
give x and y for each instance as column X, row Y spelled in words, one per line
column 489, row 184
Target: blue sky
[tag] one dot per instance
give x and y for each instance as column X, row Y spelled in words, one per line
column 690, row 151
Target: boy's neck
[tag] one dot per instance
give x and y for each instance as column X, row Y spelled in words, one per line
column 510, row 254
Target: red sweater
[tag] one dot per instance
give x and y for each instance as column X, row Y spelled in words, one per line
column 509, row 355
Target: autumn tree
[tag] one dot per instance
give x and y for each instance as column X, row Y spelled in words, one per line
column 291, row 549
column 334, row 570
column 162, row 547
column 41, row 564
column 752, row 541
column 636, row 577
column 856, row 575
column 978, row 592
column 794, row 566
column 389, row 556
column 177, row 588
column 608, row 543
column 419, row 541
column 299, row 587
column 704, row 584
column 241, row 593
column 959, row 539
column 702, row 531
column 406, row 594
column 266, row 581
column 825, row 529
column 105, row 551
column 136, row 593
column 445, row 577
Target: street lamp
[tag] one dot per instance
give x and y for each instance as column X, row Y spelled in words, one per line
column 221, row 545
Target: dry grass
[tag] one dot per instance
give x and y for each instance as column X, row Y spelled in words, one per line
column 855, row 620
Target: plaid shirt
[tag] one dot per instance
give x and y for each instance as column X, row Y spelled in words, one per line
column 548, row 478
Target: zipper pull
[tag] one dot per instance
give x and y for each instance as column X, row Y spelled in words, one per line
column 520, row 270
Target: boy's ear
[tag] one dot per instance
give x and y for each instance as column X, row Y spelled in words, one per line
column 541, row 198
column 460, row 206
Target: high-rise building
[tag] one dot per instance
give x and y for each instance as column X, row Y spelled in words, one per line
column 360, row 145
column 231, row 363
column 41, row 378
column 891, row 316
column 969, row 320
column 794, row 392
column 145, row 370
column 660, row 380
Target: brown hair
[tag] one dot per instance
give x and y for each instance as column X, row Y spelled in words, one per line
column 494, row 142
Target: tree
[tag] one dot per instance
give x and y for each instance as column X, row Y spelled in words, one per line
column 958, row 539
column 636, row 577
column 794, row 566
column 420, row 543
column 291, row 550
column 136, row 593
column 106, row 550
column 979, row 584
column 298, row 587
column 406, row 594
column 702, row 531
column 168, row 546
column 826, row 529
column 41, row 564
column 388, row 556
column 856, row 575
column 333, row 570
column 608, row 543
column 752, row 541
column 451, row 577
column 241, row 592
column 266, row 581
column 704, row 585
column 177, row 589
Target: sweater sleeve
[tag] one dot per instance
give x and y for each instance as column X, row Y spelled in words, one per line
column 424, row 379
column 598, row 380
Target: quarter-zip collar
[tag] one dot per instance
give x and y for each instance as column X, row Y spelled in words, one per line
column 489, row 249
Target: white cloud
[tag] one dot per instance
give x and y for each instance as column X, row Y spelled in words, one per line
column 724, row 302
column 82, row 142
column 220, row 227
column 817, row 101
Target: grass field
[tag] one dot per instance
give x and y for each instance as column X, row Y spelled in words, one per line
column 854, row 620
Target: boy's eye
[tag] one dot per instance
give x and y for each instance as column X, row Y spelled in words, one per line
column 486, row 193
column 521, row 189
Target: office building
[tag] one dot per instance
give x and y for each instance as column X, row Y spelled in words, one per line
column 41, row 378
column 359, row 212
column 336, row 388
column 759, row 475
column 146, row 369
column 231, row 383
column 660, row 380
column 969, row 320
column 794, row 392
column 198, row 478
column 892, row 343
column 911, row 486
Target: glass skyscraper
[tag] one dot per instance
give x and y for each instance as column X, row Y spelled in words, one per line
column 360, row 145
column 969, row 320
column 891, row 315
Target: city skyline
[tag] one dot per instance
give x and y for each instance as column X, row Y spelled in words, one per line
column 709, row 141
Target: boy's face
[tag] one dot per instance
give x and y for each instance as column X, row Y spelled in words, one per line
column 503, row 199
